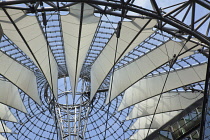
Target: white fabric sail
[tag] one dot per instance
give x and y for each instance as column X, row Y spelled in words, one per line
column 158, row 121
column 141, row 134
column 10, row 96
column 31, row 31
column 149, row 87
column 6, row 114
column 2, row 138
column 76, row 44
column 4, row 128
column 105, row 60
column 20, row 76
column 130, row 74
column 170, row 101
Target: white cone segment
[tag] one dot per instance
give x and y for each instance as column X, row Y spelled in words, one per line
column 2, row 138
column 158, row 121
column 141, row 134
column 128, row 75
column 4, row 128
column 71, row 29
column 105, row 60
column 170, row 101
column 10, row 96
column 6, row 114
column 19, row 76
column 149, row 87
column 30, row 29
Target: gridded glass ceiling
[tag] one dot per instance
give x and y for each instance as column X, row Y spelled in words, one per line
column 117, row 69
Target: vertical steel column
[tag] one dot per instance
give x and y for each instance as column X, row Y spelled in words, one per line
column 205, row 120
column 80, row 109
column 86, row 120
column 68, row 113
column 60, row 122
column 75, row 121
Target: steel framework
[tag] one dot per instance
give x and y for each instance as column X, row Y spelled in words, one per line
column 76, row 113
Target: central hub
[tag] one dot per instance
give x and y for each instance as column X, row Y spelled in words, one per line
column 67, row 99
column 71, row 110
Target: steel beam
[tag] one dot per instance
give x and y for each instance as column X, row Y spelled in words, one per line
column 175, row 119
column 206, row 101
column 132, row 8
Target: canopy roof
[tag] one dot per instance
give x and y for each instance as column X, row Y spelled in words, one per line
column 90, row 69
